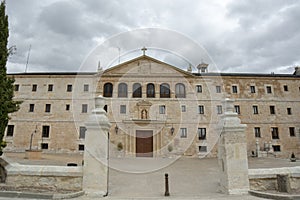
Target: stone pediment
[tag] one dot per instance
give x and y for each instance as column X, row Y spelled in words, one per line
column 144, row 103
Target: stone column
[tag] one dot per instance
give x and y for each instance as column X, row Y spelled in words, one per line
column 95, row 169
column 232, row 153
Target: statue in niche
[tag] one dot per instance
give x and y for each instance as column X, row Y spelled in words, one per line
column 144, row 114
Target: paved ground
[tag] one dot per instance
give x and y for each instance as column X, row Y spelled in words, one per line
column 143, row 178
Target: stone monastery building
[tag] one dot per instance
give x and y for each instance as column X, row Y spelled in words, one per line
column 155, row 109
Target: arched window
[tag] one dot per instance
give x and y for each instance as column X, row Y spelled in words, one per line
column 122, row 90
column 164, row 90
column 180, row 90
column 136, row 90
column 107, row 90
column 150, row 90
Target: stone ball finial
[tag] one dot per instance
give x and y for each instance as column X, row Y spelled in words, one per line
column 99, row 101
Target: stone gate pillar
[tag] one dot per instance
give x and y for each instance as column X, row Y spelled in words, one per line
column 232, row 153
column 95, row 168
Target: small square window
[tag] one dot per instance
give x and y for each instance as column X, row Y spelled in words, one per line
column 183, row 108
column 85, row 87
column 234, row 89
column 201, row 109
column 44, row 145
column 68, row 107
column 162, row 109
column 218, row 89
column 285, row 88
column 17, row 87
column 84, row 108
column 202, row 148
column 48, row 108
column 123, row 109
column 34, row 88
column 272, row 110
column 255, row 110
column 201, row 133
column 82, row 131
column 237, row 109
column 289, row 111
column 219, row 109
column 81, row 147
column 292, row 131
column 252, row 89
column 45, row 131
column 31, row 107
column 276, row 148
column 269, row 89
column 199, row 88
column 50, row 88
column 257, row 132
column 183, row 132
column 69, row 88
column 10, row 130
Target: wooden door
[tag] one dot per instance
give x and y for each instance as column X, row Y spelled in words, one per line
column 144, row 143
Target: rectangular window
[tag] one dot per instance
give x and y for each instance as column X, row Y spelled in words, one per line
column 202, row 148
column 44, row 146
column 285, row 88
column 269, row 89
column 50, row 88
column 17, row 87
column 85, row 87
column 69, row 88
column 292, row 131
column 201, row 133
column 10, row 130
column 219, row 109
column 183, row 132
column 46, row 131
column 162, row 109
column 48, row 108
column 84, row 108
column 234, row 89
column 237, row 109
column 31, row 107
column 123, row 109
column 201, row 109
column 289, row 111
column 82, row 131
column 255, row 110
column 276, row 148
column 80, row 147
column 218, row 89
column 199, row 88
column 183, row 108
column 272, row 110
column 257, row 132
column 34, row 88
column 68, row 107
column 275, row 134
column 252, row 89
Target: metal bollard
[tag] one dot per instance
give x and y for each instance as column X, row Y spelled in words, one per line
column 167, row 185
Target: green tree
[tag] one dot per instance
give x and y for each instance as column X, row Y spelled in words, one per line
column 7, row 104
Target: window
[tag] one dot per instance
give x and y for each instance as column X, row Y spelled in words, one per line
column 199, row 88
column 201, row 109
column 10, row 130
column 137, row 90
column 105, row 108
column 122, row 90
column 165, row 90
column 255, row 110
column 275, row 134
column 272, row 110
column 45, row 131
column 123, row 109
column 69, row 88
column 48, row 108
column 44, row 146
column 180, row 90
column 183, row 132
column 201, row 133
column 202, row 148
column 80, row 147
column 82, row 131
column 276, row 148
column 31, row 107
column 257, row 132
column 150, row 90
column 86, row 87
column 269, row 89
column 285, row 88
column 219, row 109
column 237, row 109
column 162, row 109
column 292, row 131
column 50, row 88
column 34, row 88
column 183, row 108
column 17, row 87
column 234, row 89
column 218, row 89
column 107, row 90
column 84, row 108
column 68, row 107
column 252, row 89
column 289, row 111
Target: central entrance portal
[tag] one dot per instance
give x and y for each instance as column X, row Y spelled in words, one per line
column 144, row 143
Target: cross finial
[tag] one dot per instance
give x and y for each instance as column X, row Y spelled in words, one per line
column 144, row 49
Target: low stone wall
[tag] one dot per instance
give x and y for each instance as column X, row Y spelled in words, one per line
column 43, row 178
column 266, row 179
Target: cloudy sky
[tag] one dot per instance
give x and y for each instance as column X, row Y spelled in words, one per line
column 239, row 35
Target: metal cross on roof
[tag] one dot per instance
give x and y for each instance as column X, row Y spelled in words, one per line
column 144, row 49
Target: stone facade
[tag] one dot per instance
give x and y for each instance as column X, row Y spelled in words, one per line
column 184, row 118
